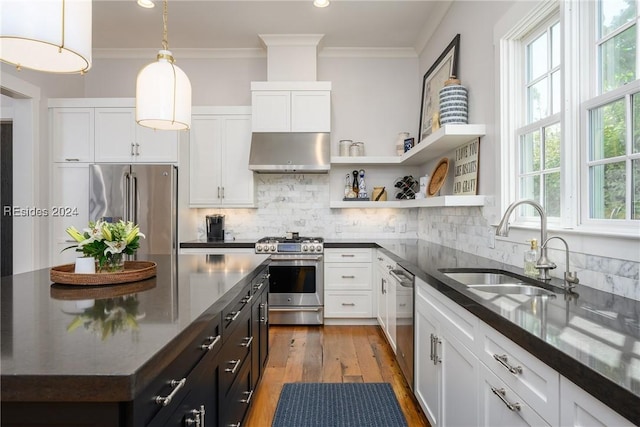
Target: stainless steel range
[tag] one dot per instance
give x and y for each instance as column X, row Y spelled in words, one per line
column 296, row 281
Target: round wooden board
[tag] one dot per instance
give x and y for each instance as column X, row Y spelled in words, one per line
column 74, row 292
column 438, row 176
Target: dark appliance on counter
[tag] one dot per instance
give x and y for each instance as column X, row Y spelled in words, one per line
column 215, row 228
column 404, row 320
column 296, row 279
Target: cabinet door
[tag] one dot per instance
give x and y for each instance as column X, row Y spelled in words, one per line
column 427, row 371
column 500, row 406
column 271, row 111
column 205, row 139
column 72, row 134
column 460, row 374
column 379, row 287
column 579, row 408
column 156, row 146
column 116, row 135
column 69, row 207
column 392, row 286
column 311, row 111
column 237, row 179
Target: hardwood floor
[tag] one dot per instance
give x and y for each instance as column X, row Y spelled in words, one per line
column 329, row 354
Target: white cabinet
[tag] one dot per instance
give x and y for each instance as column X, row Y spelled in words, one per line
column 119, row 139
column 72, row 134
column 347, row 283
column 219, row 145
column 579, row 408
column 291, row 106
column 446, row 371
column 385, row 287
column 69, row 207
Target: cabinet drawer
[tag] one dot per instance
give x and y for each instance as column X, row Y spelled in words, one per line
column 169, row 381
column 495, row 395
column 533, row 380
column 260, row 283
column 230, row 315
column 348, row 304
column 234, row 352
column 347, row 255
column 347, row 276
column 235, row 406
column 384, row 261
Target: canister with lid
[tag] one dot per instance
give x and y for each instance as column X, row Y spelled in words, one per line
column 344, row 146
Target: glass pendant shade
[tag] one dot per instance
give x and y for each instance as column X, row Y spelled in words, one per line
column 321, row 3
column 46, row 35
column 163, row 95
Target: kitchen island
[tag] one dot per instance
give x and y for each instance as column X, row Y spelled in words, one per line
column 99, row 355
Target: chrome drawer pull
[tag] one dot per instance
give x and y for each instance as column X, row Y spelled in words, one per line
column 236, row 363
column 193, row 421
column 347, row 255
column 501, row 393
column 71, row 160
column 214, row 341
column 348, row 277
column 235, row 425
column 247, row 299
column 350, row 304
column 431, row 349
column 248, row 343
column 258, row 286
column 504, row 361
column 233, row 316
column 164, row 401
column 249, row 396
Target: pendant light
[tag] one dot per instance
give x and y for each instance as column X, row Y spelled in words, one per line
column 163, row 91
column 46, row 35
column 321, row 3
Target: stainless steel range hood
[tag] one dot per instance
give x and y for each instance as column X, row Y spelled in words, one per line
column 297, row 152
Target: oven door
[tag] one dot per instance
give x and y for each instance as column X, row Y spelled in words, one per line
column 296, row 281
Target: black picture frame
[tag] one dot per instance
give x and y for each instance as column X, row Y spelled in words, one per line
column 445, row 66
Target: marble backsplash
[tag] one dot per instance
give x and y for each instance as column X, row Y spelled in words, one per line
column 299, row 202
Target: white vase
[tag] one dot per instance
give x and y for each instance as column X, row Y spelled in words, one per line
column 85, row 265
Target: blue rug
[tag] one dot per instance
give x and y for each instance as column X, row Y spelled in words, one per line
column 338, row 405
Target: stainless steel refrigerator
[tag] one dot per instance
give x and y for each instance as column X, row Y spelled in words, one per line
column 144, row 194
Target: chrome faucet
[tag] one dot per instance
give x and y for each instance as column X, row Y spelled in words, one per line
column 543, row 264
column 570, row 278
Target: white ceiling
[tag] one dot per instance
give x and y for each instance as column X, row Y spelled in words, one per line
column 235, row 24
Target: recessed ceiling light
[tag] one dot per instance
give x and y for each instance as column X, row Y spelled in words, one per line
column 146, row 3
column 321, row 3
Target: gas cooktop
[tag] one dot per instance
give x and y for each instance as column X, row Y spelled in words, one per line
column 296, row 245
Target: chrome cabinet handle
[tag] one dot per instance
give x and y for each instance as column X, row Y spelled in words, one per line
column 380, row 259
column 434, row 349
column 218, row 192
column 233, row 370
column 177, row 385
column 249, row 396
column 214, row 341
column 384, row 289
column 233, row 316
column 71, row 160
column 195, row 420
column 351, row 304
column 501, row 393
column 348, row 277
column 223, row 192
column 347, row 255
column 504, row 361
column 132, row 147
column 258, row 286
column 431, row 347
column 247, row 299
column 248, row 343
column 235, row 425
column 137, row 149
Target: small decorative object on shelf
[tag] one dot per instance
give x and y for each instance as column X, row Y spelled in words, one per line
column 453, row 102
column 379, row 194
column 362, row 187
column 465, row 177
column 438, row 177
column 344, row 146
column 408, row 144
column 107, row 242
column 400, row 143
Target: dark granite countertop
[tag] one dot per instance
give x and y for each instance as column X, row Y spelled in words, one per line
column 592, row 339
column 54, row 347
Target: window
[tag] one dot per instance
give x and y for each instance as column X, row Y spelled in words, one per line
column 613, row 115
column 570, row 114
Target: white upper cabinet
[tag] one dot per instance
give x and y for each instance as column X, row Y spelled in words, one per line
column 120, row 139
column 219, row 158
column 291, row 106
column 72, row 134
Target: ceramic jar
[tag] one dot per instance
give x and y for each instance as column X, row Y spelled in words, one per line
column 453, row 103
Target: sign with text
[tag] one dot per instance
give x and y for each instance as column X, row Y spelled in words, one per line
column 465, row 177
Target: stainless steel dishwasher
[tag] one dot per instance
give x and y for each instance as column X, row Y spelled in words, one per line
column 404, row 321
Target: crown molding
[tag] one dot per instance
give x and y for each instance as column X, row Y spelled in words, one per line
column 368, row 52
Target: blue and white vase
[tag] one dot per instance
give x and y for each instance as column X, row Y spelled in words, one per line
column 453, row 103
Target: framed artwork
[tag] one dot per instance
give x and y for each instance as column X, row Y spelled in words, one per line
column 445, row 66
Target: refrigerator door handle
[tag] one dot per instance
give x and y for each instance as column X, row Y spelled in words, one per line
column 134, row 200
column 127, row 195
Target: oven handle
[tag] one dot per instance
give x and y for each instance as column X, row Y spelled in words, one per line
column 312, row 309
column 285, row 259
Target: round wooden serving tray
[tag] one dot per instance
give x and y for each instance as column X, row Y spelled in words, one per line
column 133, row 271
column 438, row 176
column 73, row 292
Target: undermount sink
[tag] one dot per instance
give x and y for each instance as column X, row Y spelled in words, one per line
column 497, row 283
